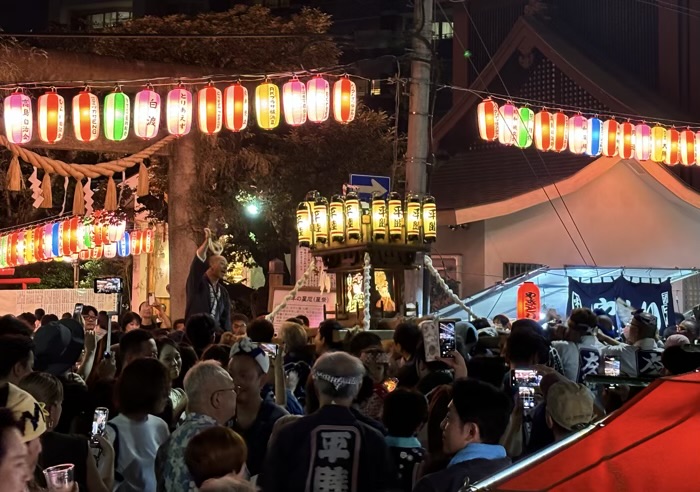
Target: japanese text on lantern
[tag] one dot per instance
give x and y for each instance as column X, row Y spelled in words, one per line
column 182, row 122
column 272, row 102
column 26, row 128
column 531, row 306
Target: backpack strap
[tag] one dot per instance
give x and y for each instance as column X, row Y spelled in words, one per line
column 118, row 477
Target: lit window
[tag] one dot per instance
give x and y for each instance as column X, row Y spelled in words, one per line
column 442, row 30
column 107, row 19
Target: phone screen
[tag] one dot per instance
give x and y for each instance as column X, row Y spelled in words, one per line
column 525, row 378
column 151, row 299
column 447, row 338
column 270, row 349
column 526, row 395
column 108, row 285
column 612, row 366
column 99, row 421
column 77, row 311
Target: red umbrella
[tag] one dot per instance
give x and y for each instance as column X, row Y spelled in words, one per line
column 650, row 444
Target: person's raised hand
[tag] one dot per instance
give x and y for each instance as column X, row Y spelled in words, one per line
column 90, row 341
column 107, row 368
column 456, row 363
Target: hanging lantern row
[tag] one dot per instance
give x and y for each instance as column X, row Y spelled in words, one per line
column 522, row 127
column 300, row 101
column 347, row 220
column 75, row 238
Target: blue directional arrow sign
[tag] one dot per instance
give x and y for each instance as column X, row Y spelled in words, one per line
column 367, row 185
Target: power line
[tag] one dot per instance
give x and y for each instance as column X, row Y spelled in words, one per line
column 170, row 36
column 678, row 9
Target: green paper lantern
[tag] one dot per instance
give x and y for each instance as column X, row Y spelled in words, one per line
column 526, row 126
column 117, row 108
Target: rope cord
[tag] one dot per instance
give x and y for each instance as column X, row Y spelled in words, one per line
column 367, row 279
column 443, row 285
column 292, row 293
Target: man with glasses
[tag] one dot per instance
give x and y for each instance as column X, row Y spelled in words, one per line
column 211, row 399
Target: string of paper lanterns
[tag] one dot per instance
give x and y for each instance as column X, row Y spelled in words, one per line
column 299, row 102
column 557, row 131
column 76, row 238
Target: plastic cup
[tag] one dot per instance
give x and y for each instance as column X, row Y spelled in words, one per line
column 59, row 478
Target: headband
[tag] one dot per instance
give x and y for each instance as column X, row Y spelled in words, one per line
column 337, row 381
column 247, row 347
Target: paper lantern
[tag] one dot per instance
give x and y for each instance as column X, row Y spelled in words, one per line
column 267, row 105
column 17, row 247
column 687, row 147
column 236, row 107
column 429, row 219
column 3, row 251
column 697, row 147
column 148, row 241
column 487, row 116
column 380, row 219
column 84, row 255
column 642, row 142
column 87, row 234
column 179, row 112
column 65, row 238
column 146, row 114
column 96, row 253
column 109, row 250
column 526, row 127
column 594, row 143
column 135, row 242
column 124, row 246
column 116, row 111
column 344, row 100
column 211, row 110
column 672, row 147
column 320, row 220
column 413, row 218
column 353, row 217
column 56, row 239
column 609, row 138
column 318, row 99
column 294, row 102
column 17, row 110
column 74, row 224
column 52, row 117
column 625, row 140
column 543, row 130
column 528, row 301
column 39, row 243
column 336, row 219
column 48, row 242
column 578, row 134
column 304, row 226
column 115, row 231
column 396, row 219
column 560, row 132
column 86, row 116
column 20, row 248
column 658, row 143
column 507, row 124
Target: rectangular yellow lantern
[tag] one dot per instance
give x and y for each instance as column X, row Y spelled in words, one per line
column 380, row 218
column 429, row 219
column 396, row 220
column 337, row 219
column 413, row 218
column 353, row 217
column 320, row 222
column 304, row 224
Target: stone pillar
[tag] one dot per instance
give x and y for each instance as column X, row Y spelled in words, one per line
column 181, row 180
column 275, row 279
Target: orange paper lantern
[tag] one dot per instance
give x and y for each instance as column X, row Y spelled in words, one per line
column 148, row 241
column 560, row 126
column 609, row 137
column 86, row 116
column 136, row 243
column 210, row 110
column 625, row 140
column 344, row 100
column 487, row 115
column 528, row 301
column 672, row 148
column 236, row 107
column 543, row 130
column 687, row 147
column 52, row 117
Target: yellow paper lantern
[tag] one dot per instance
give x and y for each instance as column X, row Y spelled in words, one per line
column 336, row 219
column 353, row 217
column 429, row 219
column 320, row 208
column 379, row 218
column 413, row 218
column 658, row 142
column 304, row 224
column 267, row 105
column 396, row 219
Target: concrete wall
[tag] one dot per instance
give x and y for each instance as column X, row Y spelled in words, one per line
column 469, row 244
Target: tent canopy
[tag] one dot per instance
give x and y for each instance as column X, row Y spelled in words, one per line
column 554, row 288
column 649, row 444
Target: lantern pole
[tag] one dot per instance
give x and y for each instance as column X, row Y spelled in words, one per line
column 76, row 274
column 418, row 145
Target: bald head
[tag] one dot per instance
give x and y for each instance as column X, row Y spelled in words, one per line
column 217, row 266
column 338, row 375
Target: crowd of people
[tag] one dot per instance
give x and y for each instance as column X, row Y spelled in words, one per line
column 220, row 402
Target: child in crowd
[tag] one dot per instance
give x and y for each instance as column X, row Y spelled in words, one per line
column 405, row 412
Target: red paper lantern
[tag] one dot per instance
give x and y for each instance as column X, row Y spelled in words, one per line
column 39, row 243
column 625, row 140
column 543, row 130
column 148, row 241
column 52, row 117
column 210, row 110
column 658, row 143
column 609, row 138
column 344, row 100
column 487, row 115
column 12, row 250
column 507, row 123
column 74, row 226
column 578, row 137
column 672, row 147
column 84, row 255
column 86, row 116
column 560, row 125
column 136, row 243
column 687, row 147
column 29, row 247
column 528, row 301
column 236, row 107
column 96, row 253
column 64, row 245
column 642, row 142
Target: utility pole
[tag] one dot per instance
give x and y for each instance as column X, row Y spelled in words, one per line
column 418, row 144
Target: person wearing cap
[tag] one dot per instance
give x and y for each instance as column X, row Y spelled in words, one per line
column 330, row 450
column 255, row 415
column 580, row 351
column 570, row 408
column 641, row 356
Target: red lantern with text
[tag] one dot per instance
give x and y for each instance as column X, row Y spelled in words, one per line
column 658, row 143
column 672, row 156
column 487, row 114
column 609, row 137
column 344, row 100
column 578, row 136
column 148, row 241
column 136, row 242
column 210, row 110
column 543, row 130
column 236, row 107
column 529, row 301
column 52, row 117
column 625, row 140
column 84, row 255
column 687, row 147
column 86, row 116
column 560, row 125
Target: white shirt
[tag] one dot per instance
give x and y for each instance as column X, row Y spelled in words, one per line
column 138, row 444
column 580, row 359
column 641, row 359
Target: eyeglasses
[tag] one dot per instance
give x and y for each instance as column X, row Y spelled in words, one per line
column 90, row 317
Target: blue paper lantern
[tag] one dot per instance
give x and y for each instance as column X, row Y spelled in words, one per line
column 594, row 143
column 124, row 246
column 56, row 239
